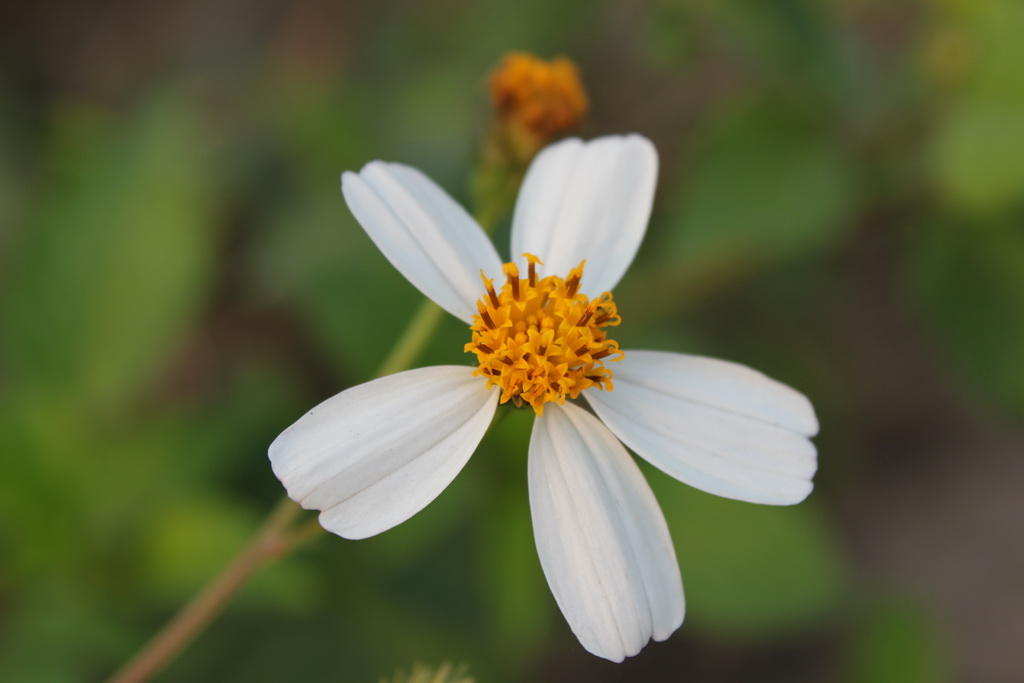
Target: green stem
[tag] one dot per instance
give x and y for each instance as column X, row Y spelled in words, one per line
column 427, row 317
column 276, row 538
column 279, row 534
column 415, row 337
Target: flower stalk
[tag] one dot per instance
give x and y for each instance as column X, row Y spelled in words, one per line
column 284, row 529
column 553, row 98
column 272, row 541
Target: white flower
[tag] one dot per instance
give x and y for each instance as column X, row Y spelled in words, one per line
column 374, row 455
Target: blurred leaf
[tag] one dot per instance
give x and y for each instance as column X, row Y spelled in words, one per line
column 898, row 642
column 978, row 143
column 794, row 43
column 520, row 605
column 12, row 182
column 751, row 570
column 979, row 155
column 46, row 624
column 190, row 540
column 33, row 502
column 671, row 33
column 766, row 184
column 318, row 259
column 442, row 130
column 117, row 253
column 313, row 121
column 970, row 284
column 985, row 41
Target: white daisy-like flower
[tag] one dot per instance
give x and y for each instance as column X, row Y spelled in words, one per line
column 374, row 455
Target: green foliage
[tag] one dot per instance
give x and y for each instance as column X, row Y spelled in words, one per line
column 897, row 642
column 117, row 252
column 979, row 154
column 752, row 571
column 978, row 146
column 180, row 280
column 970, row 284
column 767, row 183
column 517, row 598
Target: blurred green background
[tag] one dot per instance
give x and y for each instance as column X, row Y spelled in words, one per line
column 840, row 204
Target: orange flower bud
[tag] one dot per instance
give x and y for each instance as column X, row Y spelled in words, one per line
column 541, row 99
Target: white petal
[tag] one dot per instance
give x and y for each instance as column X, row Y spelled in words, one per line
column 603, row 542
column 718, row 426
column 376, row 454
column 425, row 234
column 587, row 201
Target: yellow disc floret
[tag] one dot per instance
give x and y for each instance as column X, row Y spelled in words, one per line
column 541, row 340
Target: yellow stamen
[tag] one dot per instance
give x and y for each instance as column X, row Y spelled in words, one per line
column 573, row 283
column 549, row 343
column 512, row 273
column 489, row 286
column 532, row 261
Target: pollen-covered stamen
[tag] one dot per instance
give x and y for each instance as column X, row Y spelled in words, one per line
column 532, row 262
column 512, row 273
column 573, row 283
column 489, row 285
column 540, row 339
column 587, row 315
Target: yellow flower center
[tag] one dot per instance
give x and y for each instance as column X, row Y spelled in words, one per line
column 542, row 340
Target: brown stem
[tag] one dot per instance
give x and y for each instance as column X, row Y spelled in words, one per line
column 275, row 539
column 272, row 541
